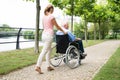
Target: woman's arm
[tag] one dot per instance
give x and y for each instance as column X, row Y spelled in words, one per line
column 57, row 26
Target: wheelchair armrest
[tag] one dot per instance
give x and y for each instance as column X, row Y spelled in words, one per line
column 74, row 43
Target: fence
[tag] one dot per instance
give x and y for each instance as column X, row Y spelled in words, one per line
column 18, row 32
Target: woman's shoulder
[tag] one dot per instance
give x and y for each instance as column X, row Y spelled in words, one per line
column 51, row 15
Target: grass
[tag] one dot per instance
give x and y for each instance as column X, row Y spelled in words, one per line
column 17, row 59
column 91, row 42
column 111, row 70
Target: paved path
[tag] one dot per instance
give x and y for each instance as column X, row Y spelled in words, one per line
column 97, row 57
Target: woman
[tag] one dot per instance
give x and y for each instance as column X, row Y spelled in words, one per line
column 47, row 37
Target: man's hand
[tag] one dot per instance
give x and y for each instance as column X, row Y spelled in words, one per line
column 78, row 38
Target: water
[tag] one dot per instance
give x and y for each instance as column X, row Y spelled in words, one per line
column 12, row 46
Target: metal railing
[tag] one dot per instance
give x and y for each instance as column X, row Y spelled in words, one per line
column 15, row 32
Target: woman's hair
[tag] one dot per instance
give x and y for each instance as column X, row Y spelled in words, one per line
column 48, row 8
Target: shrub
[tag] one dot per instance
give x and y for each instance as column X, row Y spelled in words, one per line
column 28, row 35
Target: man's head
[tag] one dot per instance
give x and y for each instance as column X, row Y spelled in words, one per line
column 66, row 25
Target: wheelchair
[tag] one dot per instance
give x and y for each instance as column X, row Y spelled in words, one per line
column 66, row 51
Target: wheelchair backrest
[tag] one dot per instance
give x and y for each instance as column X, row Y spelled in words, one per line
column 62, row 43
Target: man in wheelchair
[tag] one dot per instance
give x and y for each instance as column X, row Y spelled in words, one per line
column 72, row 38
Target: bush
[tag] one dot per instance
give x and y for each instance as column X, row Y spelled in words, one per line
column 29, row 35
column 113, row 36
column 109, row 37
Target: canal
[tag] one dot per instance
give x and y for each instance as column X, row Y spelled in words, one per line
column 12, row 46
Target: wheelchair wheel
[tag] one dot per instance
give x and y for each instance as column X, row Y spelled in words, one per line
column 56, row 58
column 72, row 57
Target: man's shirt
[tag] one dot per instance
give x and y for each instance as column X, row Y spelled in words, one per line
column 72, row 37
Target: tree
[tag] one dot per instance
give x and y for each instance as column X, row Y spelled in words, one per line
column 80, row 8
column 114, row 6
column 100, row 15
column 5, row 27
column 83, row 8
column 79, row 29
column 36, row 49
column 37, row 26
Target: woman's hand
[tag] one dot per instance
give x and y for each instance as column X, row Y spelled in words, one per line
column 65, row 32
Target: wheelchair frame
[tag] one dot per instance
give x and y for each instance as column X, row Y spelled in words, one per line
column 71, row 57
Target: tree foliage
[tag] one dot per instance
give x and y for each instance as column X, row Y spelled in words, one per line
column 80, row 6
column 6, row 27
column 114, row 5
column 104, row 15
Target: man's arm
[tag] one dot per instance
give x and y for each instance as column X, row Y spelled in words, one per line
column 71, row 36
column 59, row 32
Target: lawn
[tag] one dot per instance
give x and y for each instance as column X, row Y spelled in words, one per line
column 111, row 70
column 17, row 59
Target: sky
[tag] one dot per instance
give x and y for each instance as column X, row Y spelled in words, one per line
column 19, row 13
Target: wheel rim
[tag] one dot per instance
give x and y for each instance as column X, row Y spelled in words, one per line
column 72, row 57
column 56, row 60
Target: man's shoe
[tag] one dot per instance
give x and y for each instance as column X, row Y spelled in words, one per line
column 83, row 56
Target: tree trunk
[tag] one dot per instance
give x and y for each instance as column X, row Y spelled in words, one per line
column 95, row 26
column 85, row 28
column 37, row 27
column 72, row 13
column 99, row 30
column 95, row 31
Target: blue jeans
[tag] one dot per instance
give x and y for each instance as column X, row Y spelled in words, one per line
column 80, row 45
